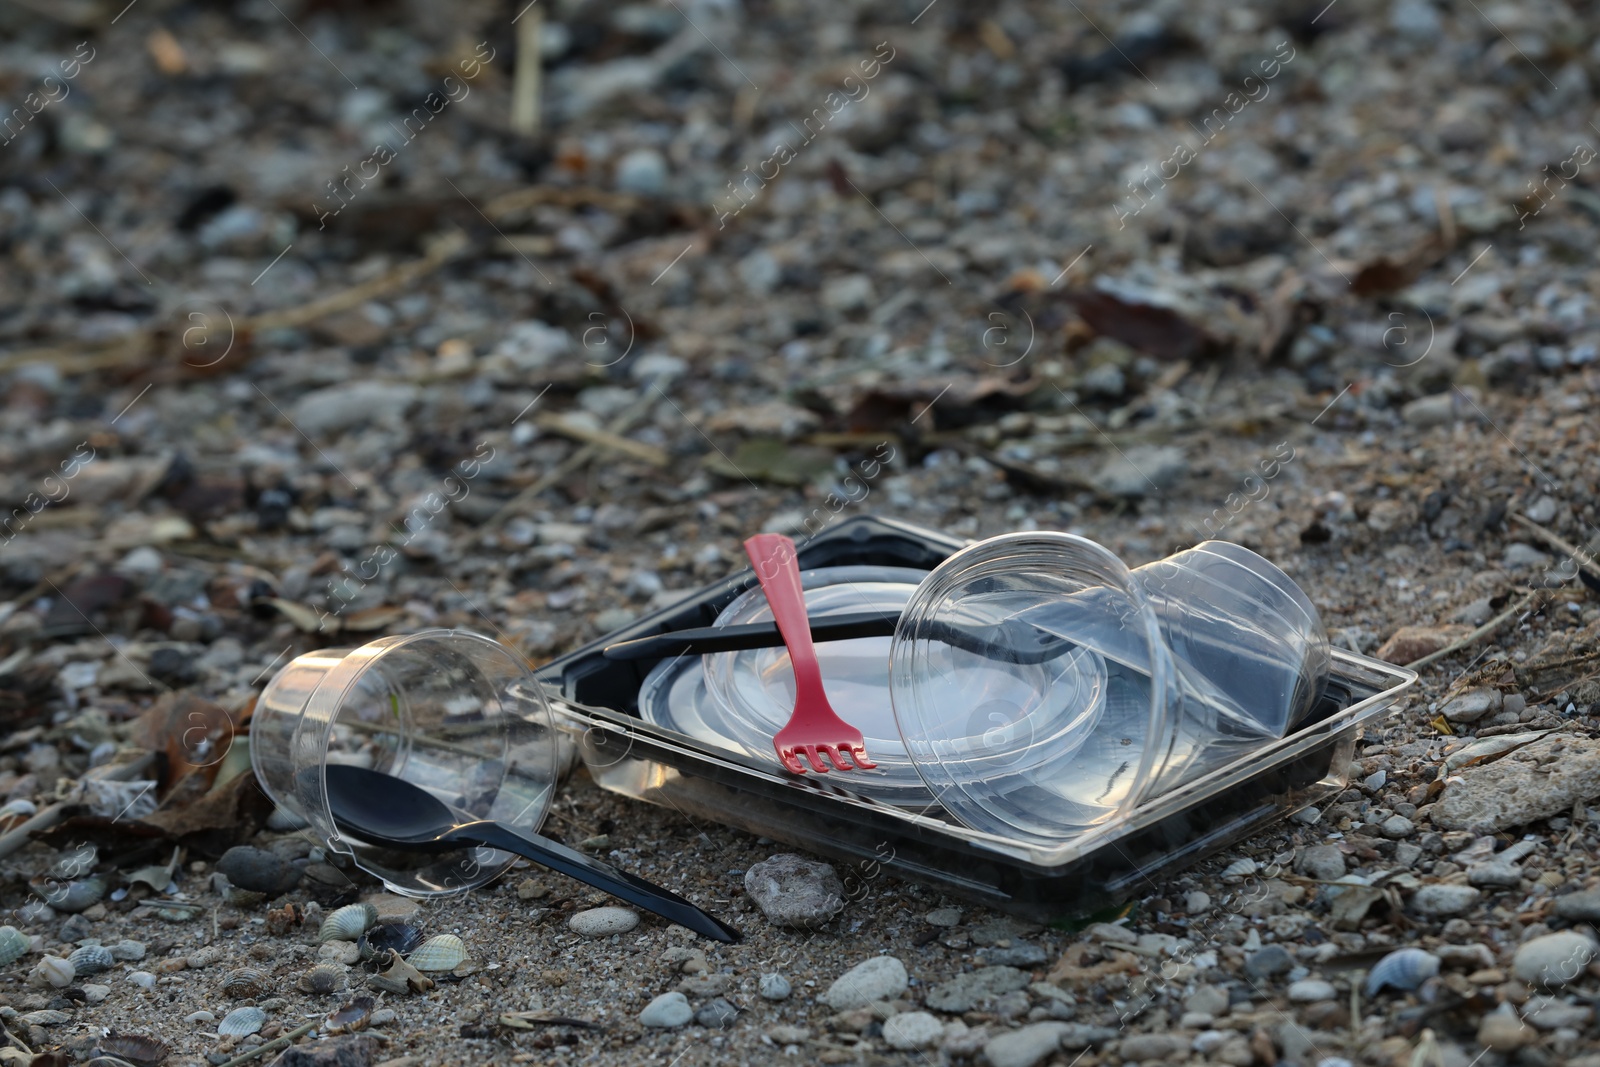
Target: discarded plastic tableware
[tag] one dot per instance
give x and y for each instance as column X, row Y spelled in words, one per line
column 1167, row 671
column 814, row 728
column 451, row 711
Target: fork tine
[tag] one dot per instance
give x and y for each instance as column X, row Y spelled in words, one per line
column 858, row 753
column 817, row 762
column 791, row 759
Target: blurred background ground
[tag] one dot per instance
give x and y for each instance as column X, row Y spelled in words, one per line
column 1316, row 279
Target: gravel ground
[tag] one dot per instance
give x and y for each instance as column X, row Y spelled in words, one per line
column 306, row 339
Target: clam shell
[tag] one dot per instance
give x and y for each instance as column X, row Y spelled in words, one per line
column 242, row 1022
column 14, row 945
column 72, row 896
column 402, row 937
column 46, row 1017
column 92, row 959
column 246, row 982
column 442, row 952
column 1404, row 968
column 323, row 978
column 347, row 923
column 138, row 1049
column 354, row 1016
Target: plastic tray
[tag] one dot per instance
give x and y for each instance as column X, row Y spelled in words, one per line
column 595, row 699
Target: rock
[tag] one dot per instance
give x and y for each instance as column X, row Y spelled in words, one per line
column 1542, row 510
column 793, row 891
column 1137, row 1048
column 1519, row 556
column 706, row 985
column 358, row 403
column 912, row 1030
column 258, row 870
column 852, row 292
column 965, row 991
column 1582, row 906
column 1271, row 961
column 1195, row 902
column 774, row 987
column 1027, row 1046
column 603, row 922
column 1142, row 469
column 788, row 1035
column 1536, row 781
column 1548, row 1013
column 1502, row 1031
column 1023, row 955
column 357, row 1050
column 1436, row 410
column 880, row 978
column 642, row 171
column 717, row 1014
column 1311, row 990
column 1473, row 705
column 1411, row 643
column 1494, row 875
column 1397, row 826
column 943, row 917
column 668, row 1011
column 1110, row 934
column 1553, row 960
column 1323, row 862
column 1208, row 1000
column 1075, row 1036
column 1443, row 900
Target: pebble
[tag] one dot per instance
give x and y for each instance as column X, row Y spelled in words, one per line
column 1495, row 875
column 912, row 1030
column 258, row 870
column 1582, row 906
column 1027, row 1046
column 642, row 171
column 1269, row 962
column 1137, row 1048
column 1208, row 1000
column 1323, row 862
column 943, row 917
column 965, row 991
column 668, row 1011
column 1310, row 990
column 788, row 1035
column 1502, row 1031
column 1445, row 900
column 1553, row 960
column 774, row 986
column 880, row 978
column 1023, row 955
column 128, row 951
column 717, row 1014
column 1518, row 556
column 1396, row 827
column 1142, row 470
column 1510, row 792
column 1548, row 1013
column 142, row 979
column 1196, row 902
column 603, row 922
column 1542, row 510
column 794, row 891
column 350, row 404
column 1473, row 705
column 197, row 1017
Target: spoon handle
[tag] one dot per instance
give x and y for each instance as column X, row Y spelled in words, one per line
column 598, row 873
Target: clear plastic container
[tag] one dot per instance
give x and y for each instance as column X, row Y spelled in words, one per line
column 1152, row 676
column 449, row 710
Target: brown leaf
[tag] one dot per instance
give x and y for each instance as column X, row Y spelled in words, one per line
column 305, row 619
column 194, row 733
column 367, row 619
column 1411, row 643
column 214, row 823
column 75, row 610
column 1154, row 330
column 1380, row 276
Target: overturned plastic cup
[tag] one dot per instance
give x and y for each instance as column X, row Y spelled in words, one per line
column 452, row 711
column 1043, row 688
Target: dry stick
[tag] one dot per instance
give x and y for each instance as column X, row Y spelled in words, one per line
column 525, row 79
column 575, row 462
column 272, row 1046
column 119, row 772
column 1481, row 632
column 656, row 457
column 1581, row 556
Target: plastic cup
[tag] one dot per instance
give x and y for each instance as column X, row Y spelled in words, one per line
column 448, row 710
column 1154, row 676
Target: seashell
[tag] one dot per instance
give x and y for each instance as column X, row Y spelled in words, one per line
column 400, row 936
column 247, row 981
column 52, row 971
column 138, row 1049
column 442, row 952
column 399, row 976
column 95, row 993
column 323, row 978
column 47, row 1017
column 142, row 979
column 344, row 952
column 170, row 965
column 242, row 1022
column 356, row 1015
column 197, row 1017
column 14, row 944
column 1404, row 968
column 1239, row 869
column 92, row 959
column 71, row 896
column 347, row 923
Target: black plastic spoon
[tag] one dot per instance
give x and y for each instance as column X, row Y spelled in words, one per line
column 392, row 812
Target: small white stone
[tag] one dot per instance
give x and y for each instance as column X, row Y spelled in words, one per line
column 1554, row 959
column 774, row 987
column 880, row 978
column 912, row 1029
column 196, row 1018
column 142, row 979
column 603, row 922
column 668, row 1011
column 1311, row 990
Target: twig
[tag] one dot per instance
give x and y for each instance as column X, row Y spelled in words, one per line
column 1481, row 632
column 575, row 462
column 272, row 1046
column 589, row 435
column 118, row 772
column 525, row 80
column 1581, row 556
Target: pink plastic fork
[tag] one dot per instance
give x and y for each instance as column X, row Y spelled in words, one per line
column 814, row 727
